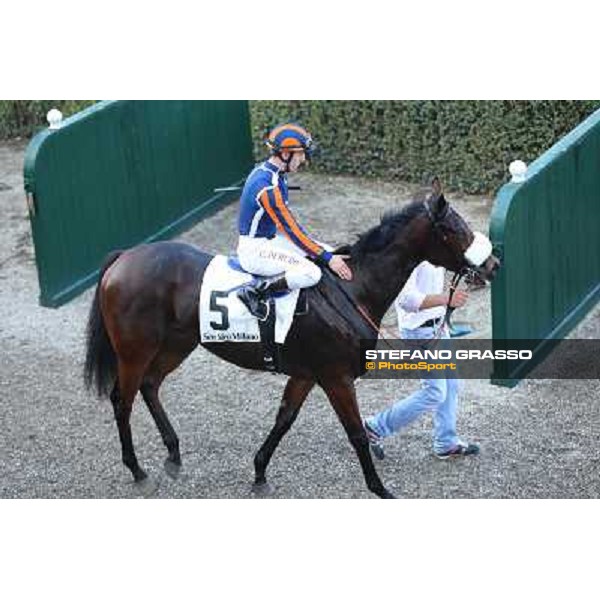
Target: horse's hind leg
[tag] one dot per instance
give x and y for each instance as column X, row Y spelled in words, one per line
column 149, row 391
column 294, row 395
column 174, row 350
column 342, row 396
column 122, row 397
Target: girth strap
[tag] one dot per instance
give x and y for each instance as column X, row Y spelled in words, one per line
column 270, row 349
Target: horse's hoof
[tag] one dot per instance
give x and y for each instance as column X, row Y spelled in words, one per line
column 139, row 475
column 262, row 490
column 387, row 495
column 172, row 468
column 146, row 487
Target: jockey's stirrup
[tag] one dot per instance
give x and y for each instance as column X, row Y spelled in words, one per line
column 254, row 295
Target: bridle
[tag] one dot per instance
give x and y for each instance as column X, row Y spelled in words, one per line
column 437, row 230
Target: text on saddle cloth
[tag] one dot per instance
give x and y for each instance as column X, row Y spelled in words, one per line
column 222, row 315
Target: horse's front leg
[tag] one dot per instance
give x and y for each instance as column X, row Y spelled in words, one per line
column 294, row 395
column 342, row 395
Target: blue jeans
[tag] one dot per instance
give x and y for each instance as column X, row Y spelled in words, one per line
column 439, row 396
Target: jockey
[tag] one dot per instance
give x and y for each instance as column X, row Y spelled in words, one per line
column 272, row 243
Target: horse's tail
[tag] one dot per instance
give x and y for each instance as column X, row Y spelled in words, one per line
column 100, row 358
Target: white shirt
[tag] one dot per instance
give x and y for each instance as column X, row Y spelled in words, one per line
column 425, row 280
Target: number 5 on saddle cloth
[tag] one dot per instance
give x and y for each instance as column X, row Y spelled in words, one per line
column 224, row 318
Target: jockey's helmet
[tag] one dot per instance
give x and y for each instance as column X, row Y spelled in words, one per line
column 290, row 137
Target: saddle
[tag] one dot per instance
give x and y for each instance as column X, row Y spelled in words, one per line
column 225, row 316
column 259, row 298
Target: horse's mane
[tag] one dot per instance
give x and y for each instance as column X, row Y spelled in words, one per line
column 382, row 235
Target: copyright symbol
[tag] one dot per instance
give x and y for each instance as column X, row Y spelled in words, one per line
column 370, row 366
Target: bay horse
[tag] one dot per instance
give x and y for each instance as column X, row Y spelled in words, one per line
column 143, row 323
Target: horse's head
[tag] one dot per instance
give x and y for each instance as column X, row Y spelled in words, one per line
column 452, row 244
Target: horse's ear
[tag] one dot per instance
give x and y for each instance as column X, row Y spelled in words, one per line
column 439, row 202
column 436, row 187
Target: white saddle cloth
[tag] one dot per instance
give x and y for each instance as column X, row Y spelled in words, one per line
column 225, row 318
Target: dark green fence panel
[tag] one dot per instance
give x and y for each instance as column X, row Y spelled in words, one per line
column 124, row 172
column 547, row 229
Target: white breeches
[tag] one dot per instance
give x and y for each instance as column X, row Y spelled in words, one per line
column 277, row 256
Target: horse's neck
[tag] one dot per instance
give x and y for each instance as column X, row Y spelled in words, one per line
column 380, row 278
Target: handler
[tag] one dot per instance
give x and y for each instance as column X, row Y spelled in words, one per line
column 420, row 307
column 272, row 242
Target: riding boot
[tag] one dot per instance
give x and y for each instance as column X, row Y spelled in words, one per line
column 254, row 295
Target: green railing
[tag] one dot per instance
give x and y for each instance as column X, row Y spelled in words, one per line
column 125, row 172
column 547, row 230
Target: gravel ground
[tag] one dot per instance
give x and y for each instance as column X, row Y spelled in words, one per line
column 58, row 441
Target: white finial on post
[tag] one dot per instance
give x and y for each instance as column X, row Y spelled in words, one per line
column 54, row 118
column 518, row 171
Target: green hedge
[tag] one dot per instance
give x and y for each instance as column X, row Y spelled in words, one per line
column 24, row 117
column 469, row 144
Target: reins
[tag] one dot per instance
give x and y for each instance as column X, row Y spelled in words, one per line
column 377, row 329
column 380, row 330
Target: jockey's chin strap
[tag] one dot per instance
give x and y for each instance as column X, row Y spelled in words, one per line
column 287, row 161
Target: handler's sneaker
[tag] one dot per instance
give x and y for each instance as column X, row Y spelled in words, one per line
column 461, row 449
column 375, row 442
